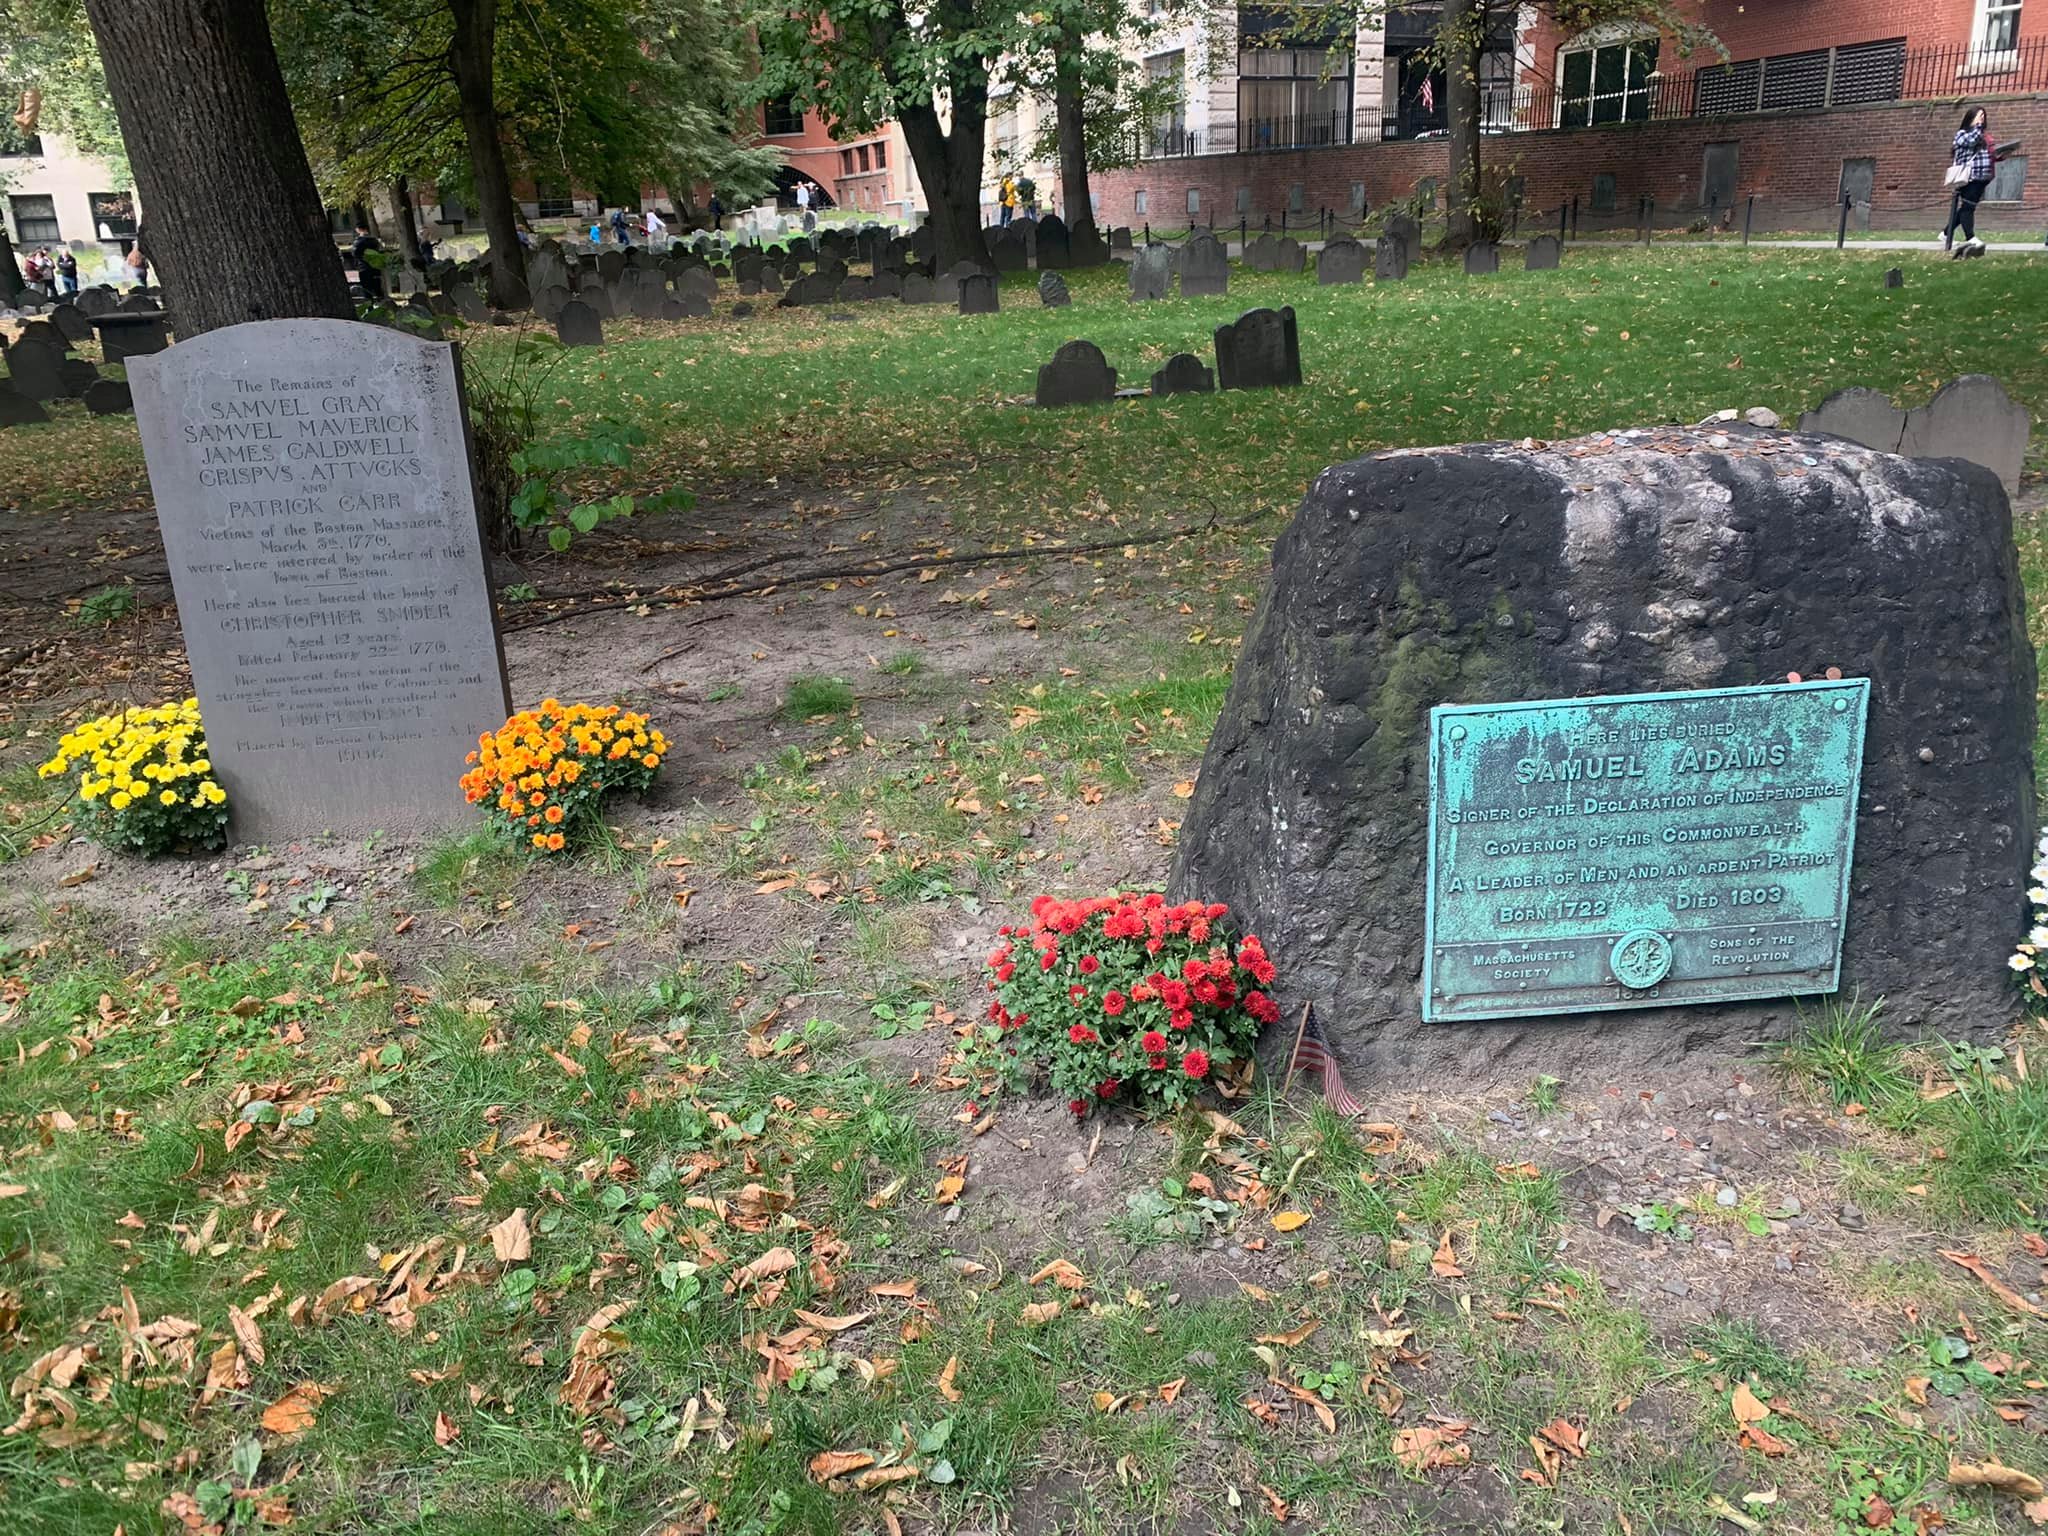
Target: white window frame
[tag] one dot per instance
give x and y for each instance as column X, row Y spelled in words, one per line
column 1615, row 34
column 1988, row 13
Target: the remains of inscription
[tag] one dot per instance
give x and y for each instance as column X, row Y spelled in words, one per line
column 312, row 482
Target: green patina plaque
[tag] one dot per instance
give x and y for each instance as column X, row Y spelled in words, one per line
column 1640, row 850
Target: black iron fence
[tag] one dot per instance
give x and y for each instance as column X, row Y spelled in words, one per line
column 1310, row 131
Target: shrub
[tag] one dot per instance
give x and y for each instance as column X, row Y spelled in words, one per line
column 2031, row 954
column 543, row 774
column 145, row 779
column 1125, row 997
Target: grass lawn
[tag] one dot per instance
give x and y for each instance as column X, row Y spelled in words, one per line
column 671, row 1188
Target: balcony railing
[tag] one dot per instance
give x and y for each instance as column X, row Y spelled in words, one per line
column 1854, row 74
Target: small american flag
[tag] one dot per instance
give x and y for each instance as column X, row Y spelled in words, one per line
column 1428, row 94
column 1313, row 1054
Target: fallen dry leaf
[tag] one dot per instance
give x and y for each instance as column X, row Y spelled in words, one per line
column 446, row 1430
column 1428, row 1447
column 1992, row 1283
column 1292, row 1337
column 1042, row 1312
column 776, row 1261
column 1444, row 1263
column 1565, row 1436
column 1288, row 1221
column 1062, row 1274
column 1995, row 1474
column 827, row 1465
column 297, row 1411
column 947, row 1390
column 1745, row 1406
column 1171, row 1390
column 826, row 1324
column 511, row 1239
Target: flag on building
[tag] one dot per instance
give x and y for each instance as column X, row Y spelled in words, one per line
column 1428, row 94
column 1313, row 1054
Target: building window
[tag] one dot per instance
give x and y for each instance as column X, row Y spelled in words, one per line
column 846, row 162
column 1194, row 199
column 861, row 156
column 1138, row 201
column 1295, row 196
column 552, row 201
column 14, row 143
column 881, row 156
column 113, row 214
column 1998, row 26
column 35, row 220
column 2009, row 182
column 1166, row 82
column 1292, row 97
column 1606, row 84
column 782, row 115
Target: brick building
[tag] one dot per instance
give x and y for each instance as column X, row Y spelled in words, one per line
column 869, row 173
column 1813, row 100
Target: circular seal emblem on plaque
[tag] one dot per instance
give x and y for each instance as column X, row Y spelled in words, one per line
column 1641, row 959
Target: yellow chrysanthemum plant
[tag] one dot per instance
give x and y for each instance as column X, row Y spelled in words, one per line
column 543, row 775
column 144, row 780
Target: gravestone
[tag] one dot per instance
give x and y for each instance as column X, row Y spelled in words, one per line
column 1894, row 277
column 420, row 315
column 741, row 310
column 312, row 483
column 71, row 323
column 36, row 369
column 598, row 301
column 1261, row 349
column 1482, row 258
column 1052, row 290
column 979, row 294
column 1006, row 248
column 698, row 280
column 1184, row 374
column 78, row 376
column 1405, row 228
column 648, row 300
column 1151, row 273
column 44, row 334
column 1077, row 375
column 811, row 288
column 96, row 301
column 17, row 409
column 924, row 244
column 1543, row 255
column 771, row 280
column 1086, row 247
column 1275, row 253
column 470, row 304
column 1968, row 418
column 546, row 268
column 123, row 336
column 1120, row 238
column 1055, row 252
column 1390, row 259
column 578, row 325
column 948, row 287
column 886, row 284
column 109, row 397
column 750, row 287
column 1340, row 261
column 854, row 290
column 1642, row 563
column 1204, row 268
column 919, row 289
column 548, row 302
column 611, row 264
column 672, row 309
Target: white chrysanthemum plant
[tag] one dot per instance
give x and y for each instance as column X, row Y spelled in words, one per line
column 2030, row 956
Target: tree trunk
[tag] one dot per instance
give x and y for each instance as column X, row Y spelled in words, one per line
column 236, row 229
column 949, row 166
column 1071, row 123
column 1461, row 43
column 472, row 53
column 10, row 271
column 398, row 202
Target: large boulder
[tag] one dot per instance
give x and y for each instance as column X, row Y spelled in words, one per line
column 1634, row 563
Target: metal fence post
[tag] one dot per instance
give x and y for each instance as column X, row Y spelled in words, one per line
column 1575, row 215
column 1748, row 214
column 1244, row 225
column 1842, row 227
column 1283, row 221
column 1649, row 218
column 1148, row 231
column 1562, row 209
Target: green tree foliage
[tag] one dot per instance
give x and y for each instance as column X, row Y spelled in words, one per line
column 47, row 48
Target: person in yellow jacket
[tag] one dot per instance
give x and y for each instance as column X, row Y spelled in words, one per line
column 1006, row 199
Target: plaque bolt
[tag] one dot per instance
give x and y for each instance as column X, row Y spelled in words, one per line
column 1841, row 706
column 1457, row 733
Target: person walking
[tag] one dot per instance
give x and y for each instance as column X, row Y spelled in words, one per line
column 1971, row 162
column 655, row 228
column 35, row 266
column 1006, row 200
column 620, row 231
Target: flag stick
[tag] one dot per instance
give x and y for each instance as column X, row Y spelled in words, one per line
column 1295, row 1055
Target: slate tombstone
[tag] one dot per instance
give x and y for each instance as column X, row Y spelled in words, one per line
column 578, row 325
column 749, row 287
column 1969, row 418
column 96, row 301
column 71, row 323
column 741, row 310
column 108, row 397
column 1086, row 247
column 649, row 299
column 1077, row 375
column 546, row 268
column 979, row 295
column 548, row 301
column 1052, row 290
column 78, row 376
column 1390, row 259
column 1120, row 238
column 1151, row 273
column 1406, row 228
column 1643, row 562
column 672, row 309
column 1894, row 277
column 700, row 281
column 1184, row 374
column 855, row 290
column 1055, row 244
column 17, row 409
column 948, row 283
column 1340, row 261
column 611, row 261
column 36, row 369
column 924, row 243
column 811, row 288
column 1261, row 349
column 44, row 333
column 1006, row 248
column 1204, row 268
column 470, row 304
column 313, row 486
column 886, row 284
column 771, row 280
column 1482, row 258
column 919, row 289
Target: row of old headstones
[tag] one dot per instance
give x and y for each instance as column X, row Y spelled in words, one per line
column 40, row 368
column 1260, row 349
column 1203, row 264
column 1048, row 244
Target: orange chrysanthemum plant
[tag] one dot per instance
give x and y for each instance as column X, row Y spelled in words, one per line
column 544, row 774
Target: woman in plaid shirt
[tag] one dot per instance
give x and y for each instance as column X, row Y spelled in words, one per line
column 1972, row 156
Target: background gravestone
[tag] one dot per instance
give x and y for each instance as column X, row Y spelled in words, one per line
column 1405, row 228
column 1894, row 277
column 71, row 323
column 1636, row 562
column 918, row 289
column 548, row 302
column 109, row 397
column 1151, row 273
column 1077, row 375
column 1390, row 259
column 17, row 409
column 1052, row 290
column 1968, row 418
column 1482, row 258
column 1184, row 374
column 1543, row 254
column 1340, row 261
column 979, row 294
column 578, row 325
column 1204, row 268
column 333, row 591
column 1054, row 248
column 36, row 369
column 1261, row 349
